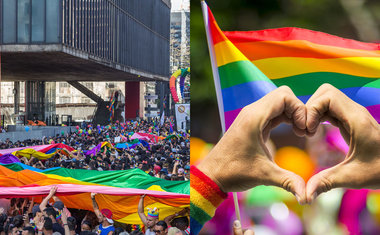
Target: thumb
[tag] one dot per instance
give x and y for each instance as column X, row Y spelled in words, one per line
column 326, row 180
column 237, row 228
column 290, row 182
column 239, row 231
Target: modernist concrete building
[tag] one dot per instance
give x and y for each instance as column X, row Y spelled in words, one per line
column 45, row 41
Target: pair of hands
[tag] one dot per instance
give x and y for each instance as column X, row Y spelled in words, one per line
column 241, row 159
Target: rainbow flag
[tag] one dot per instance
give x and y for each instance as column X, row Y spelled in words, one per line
column 119, row 191
column 39, row 151
column 248, row 65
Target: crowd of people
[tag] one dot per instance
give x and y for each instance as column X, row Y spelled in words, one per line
column 168, row 158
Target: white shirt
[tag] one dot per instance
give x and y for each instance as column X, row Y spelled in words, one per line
column 148, row 232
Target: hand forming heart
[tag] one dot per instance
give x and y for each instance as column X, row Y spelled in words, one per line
column 236, row 164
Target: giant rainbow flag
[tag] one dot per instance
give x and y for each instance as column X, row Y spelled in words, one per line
column 118, row 191
column 39, row 151
column 248, row 65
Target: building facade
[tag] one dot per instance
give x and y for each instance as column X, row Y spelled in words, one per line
column 107, row 44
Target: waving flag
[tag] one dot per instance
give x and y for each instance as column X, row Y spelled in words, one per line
column 247, row 65
column 38, row 151
column 119, row 191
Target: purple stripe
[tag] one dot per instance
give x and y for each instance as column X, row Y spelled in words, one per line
column 230, row 116
column 8, row 159
column 374, row 110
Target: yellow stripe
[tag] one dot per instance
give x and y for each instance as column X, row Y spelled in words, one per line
column 69, row 180
column 28, row 153
column 280, row 67
column 198, row 200
column 164, row 211
column 226, row 52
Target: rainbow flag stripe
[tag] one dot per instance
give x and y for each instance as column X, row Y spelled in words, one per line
column 251, row 64
column 205, row 197
column 119, row 191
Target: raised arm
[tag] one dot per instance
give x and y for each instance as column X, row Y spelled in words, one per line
column 96, row 207
column 44, row 202
column 140, row 210
column 183, row 212
column 64, row 222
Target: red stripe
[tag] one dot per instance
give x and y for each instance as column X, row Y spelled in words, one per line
column 216, row 33
column 205, row 190
column 291, row 33
column 194, row 171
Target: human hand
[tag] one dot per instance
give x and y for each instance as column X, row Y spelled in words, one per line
column 40, row 224
column 53, row 190
column 241, row 159
column 361, row 166
column 93, row 195
column 239, row 231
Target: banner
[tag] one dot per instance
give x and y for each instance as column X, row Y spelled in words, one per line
column 182, row 115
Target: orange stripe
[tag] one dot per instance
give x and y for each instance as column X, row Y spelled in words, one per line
column 205, row 190
column 298, row 48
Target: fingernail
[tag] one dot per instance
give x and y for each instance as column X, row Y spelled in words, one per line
column 237, row 224
column 298, row 199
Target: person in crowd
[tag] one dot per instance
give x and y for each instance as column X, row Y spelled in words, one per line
column 104, row 217
column 157, row 158
column 149, row 220
column 161, row 228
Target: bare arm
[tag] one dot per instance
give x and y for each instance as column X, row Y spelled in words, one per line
column 140, row 210
column 43, row 204
column 175, row 167
column 169, row 218
column 96, row 207
column 64, row 222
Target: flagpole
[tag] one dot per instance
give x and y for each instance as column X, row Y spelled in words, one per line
column 217, row 87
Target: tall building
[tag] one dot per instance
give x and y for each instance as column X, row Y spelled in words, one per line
column 180, row 38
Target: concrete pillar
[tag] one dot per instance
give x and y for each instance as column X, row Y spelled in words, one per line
column 16, row 94
column 132, row 100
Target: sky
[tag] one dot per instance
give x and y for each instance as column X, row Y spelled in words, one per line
column 178, row 5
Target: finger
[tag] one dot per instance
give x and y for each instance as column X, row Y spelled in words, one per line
column 289, row 181
column 283, row 100
column 237, row 228
column 334, row 177
column 299, row 132
column 321, row 104
column 249, row 232
column 273, row 124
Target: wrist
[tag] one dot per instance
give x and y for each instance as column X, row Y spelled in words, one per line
column 210, row 170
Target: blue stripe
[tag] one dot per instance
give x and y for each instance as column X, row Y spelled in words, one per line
column 52, row 150
column 27, row 167
column 195, row 226
column 365, row 96
column 241, row 95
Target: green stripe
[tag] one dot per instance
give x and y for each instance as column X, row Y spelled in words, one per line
column 303, row 84
column 133, row 178
column 307, row 84
column 239, row 72
column 198, row 214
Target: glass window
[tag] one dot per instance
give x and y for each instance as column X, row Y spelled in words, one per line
column 52, row 21
column 9, row 21
column 38, row 17
column 23, row 21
